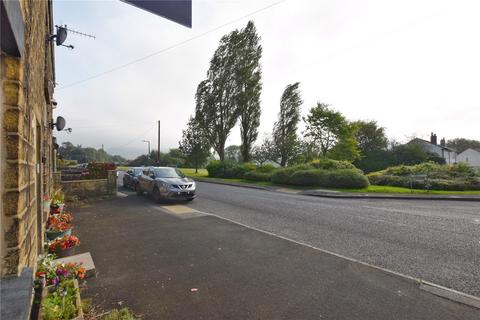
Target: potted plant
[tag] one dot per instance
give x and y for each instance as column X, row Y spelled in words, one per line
column 61, row 302
column 58, row 229
column 64, row 246
column 59, row 225
column 57, row 203
column 51, row 273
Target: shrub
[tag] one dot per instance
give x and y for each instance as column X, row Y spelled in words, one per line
column 258, row 176
column 312, row 177
column 228, row 169
column 329, row 164
column 347, row 178
column 429, row 175
column 340, row 178
column 266, row 168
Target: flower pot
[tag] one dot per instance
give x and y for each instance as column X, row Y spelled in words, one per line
column 65, row 253
column 48, row 289
column 51, row 235
column 57, row 208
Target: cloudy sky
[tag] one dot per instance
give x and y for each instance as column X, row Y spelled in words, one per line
column 412, row 65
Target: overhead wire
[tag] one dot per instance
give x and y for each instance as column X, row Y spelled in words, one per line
column 169, row 47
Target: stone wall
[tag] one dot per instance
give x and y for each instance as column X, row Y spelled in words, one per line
column 27, row 88
column 81, row 190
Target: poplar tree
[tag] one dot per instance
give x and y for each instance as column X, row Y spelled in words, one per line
column 217, row 110
column 285, row 135
column 248, row 77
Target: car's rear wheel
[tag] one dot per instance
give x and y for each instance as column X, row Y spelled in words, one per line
column 156, row 195
column 190, row 199
column 138, row 190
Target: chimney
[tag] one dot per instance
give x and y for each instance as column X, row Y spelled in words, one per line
column 433, row 138
column 442, row 142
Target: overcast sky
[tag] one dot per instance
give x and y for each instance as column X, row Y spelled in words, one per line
column 411, row 65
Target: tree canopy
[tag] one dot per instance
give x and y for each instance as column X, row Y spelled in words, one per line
column 68, row 151
column 248, row 78
column 194, row 146
column 462, row 144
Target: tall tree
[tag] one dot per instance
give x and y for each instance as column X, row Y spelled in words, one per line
column 194, row 146
column 217, row 109
column 462, row 144
column 248, row 77
column 285, row 129
column 372, row 143
column 331, row 132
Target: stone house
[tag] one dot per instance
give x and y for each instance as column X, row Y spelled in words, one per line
column 470, row 156
column 26, row 142
column 449, row 154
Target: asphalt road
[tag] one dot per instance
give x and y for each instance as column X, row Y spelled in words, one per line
column 438, row 241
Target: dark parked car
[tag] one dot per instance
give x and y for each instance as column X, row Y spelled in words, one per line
column 130, row 178
column 166, row 183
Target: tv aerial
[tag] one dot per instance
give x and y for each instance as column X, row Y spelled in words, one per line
column 61, row 35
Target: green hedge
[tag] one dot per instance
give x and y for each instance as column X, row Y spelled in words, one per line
column 258, row 176
column 228, row 169
column 329, row 164
column 429, row 175
column 341, row 178
column 324, row 173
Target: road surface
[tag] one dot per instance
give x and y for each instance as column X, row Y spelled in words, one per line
column 437, row 241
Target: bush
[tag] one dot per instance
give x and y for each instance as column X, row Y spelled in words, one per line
column 266, row 168
column 306, row 176
column 347, row 178
column 429, row 175
column 228, row 169
column 342, row 178
column 258, row 176
column 312, row 177
column 329, row 164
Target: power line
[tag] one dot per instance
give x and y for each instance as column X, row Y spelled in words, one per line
column 178, row 44
column 134, row 139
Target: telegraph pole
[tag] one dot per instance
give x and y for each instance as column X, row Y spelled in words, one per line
column 158, row 147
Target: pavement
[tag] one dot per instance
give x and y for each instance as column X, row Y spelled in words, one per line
column 169, row 261
column 437, row 241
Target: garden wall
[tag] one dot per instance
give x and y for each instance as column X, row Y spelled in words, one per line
column 79, row 190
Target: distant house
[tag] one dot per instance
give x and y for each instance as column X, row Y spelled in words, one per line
column 449, row 154
column 470, row 156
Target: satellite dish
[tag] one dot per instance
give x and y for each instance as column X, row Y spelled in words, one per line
column 61, row 35
column 60, row 124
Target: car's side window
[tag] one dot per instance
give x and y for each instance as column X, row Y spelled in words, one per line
column 129, row 171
